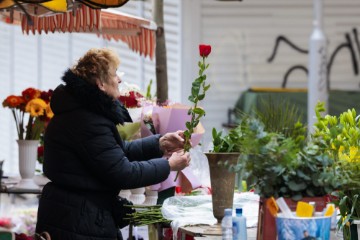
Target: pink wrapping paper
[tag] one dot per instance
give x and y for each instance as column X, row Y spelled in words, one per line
column 171, row 119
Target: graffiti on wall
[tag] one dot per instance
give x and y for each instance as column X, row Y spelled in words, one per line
column 348, row 45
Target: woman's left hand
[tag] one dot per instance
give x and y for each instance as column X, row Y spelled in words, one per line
column 172, row 142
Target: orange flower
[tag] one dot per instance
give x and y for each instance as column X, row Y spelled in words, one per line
column 36, row 107
column 13, row 101
column 30, row 126
column 49, row 112
column 30, row 93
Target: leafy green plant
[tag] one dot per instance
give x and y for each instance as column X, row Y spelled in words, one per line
column 284, row 166
column 278, row 115
column 340, row 137
column 227, row 143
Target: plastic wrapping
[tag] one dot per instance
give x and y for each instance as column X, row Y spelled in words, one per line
column 199, row 166
column 195, row 210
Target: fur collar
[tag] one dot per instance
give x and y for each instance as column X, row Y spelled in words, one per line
column 94, row 99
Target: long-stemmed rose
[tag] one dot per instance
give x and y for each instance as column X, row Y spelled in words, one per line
column 198, row 90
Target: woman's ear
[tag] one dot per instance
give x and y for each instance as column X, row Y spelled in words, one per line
column 100, row 85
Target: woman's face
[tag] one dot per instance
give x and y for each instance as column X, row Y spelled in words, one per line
column 112, row 86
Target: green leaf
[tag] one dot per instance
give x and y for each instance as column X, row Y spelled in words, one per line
column 206, row 87
column 296, row 186
column 297, row 197
column 191, row 99
column 201, row 96
column 199, row 111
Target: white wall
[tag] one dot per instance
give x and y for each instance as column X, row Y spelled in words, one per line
column 242, row 35
column 40, row 61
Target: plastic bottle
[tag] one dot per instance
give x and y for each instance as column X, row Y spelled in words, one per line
column 226, row 225
column 239, row 226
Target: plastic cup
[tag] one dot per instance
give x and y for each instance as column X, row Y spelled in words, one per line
column 317, row 227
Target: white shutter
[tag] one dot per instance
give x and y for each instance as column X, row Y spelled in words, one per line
column 40, row 61
column 242, row 35
column 6, row 87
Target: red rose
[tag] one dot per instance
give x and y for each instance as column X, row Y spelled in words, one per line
column 22, row 236
column 131, row 101
column 205, row 50
column 40, row 151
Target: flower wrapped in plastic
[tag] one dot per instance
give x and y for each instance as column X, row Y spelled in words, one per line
column 132, row 99
column 165, row 119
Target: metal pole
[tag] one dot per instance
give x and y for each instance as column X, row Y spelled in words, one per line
column 317, row 84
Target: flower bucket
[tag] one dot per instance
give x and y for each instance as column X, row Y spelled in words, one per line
column 222, row 182
column 266, row 222
column 317, row 227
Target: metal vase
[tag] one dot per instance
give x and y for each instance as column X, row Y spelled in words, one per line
column 222, row 182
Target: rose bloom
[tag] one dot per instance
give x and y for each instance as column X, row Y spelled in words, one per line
column 40, row 151
column 131, row 100
column 204, row 50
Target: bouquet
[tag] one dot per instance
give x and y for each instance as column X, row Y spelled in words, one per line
column 171, row 118
column 31, row 111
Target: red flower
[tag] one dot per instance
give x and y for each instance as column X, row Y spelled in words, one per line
column 30, row 93
column 40, row 151
column 5, row 222
column 46, row 95
column 13, row 101
column 204, row 50
column 22, row 236
column 131, row 100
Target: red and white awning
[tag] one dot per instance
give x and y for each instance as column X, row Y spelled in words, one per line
column 138, row 33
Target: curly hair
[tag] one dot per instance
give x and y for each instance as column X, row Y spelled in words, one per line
column 95, row 65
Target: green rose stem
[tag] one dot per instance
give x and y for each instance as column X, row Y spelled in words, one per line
column 146, row 215
column 198, row 91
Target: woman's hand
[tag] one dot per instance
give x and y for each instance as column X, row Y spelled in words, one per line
column 172, row 142
column 179, row 160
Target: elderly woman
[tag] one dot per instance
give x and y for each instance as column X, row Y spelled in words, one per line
column 87, row 161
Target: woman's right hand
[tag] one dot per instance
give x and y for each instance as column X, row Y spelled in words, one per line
column 179, row 160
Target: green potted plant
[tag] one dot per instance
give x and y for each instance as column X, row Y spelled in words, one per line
column 278, row 163
column 226, row 151
column 340, row 137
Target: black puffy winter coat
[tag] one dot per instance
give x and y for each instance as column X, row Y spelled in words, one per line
column 88, row 163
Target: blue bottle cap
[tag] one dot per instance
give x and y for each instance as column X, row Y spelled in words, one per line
column 228, row 212
column 239, row 211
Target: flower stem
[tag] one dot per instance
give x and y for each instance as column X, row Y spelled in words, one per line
column 197, row 94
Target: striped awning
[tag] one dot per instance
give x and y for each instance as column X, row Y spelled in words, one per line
column 138, row 33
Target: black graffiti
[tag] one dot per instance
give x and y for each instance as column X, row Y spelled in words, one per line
column 347, row 44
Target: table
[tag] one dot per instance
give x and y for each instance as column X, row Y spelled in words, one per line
column 8, row 186
column 202, row 232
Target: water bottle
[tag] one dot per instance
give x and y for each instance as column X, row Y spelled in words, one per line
column 239, row 225
column 226, row 225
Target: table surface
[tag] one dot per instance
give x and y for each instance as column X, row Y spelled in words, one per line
column 8, row 186
column 201, row 232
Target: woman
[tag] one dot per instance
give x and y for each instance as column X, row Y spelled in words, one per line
column 87, row 161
